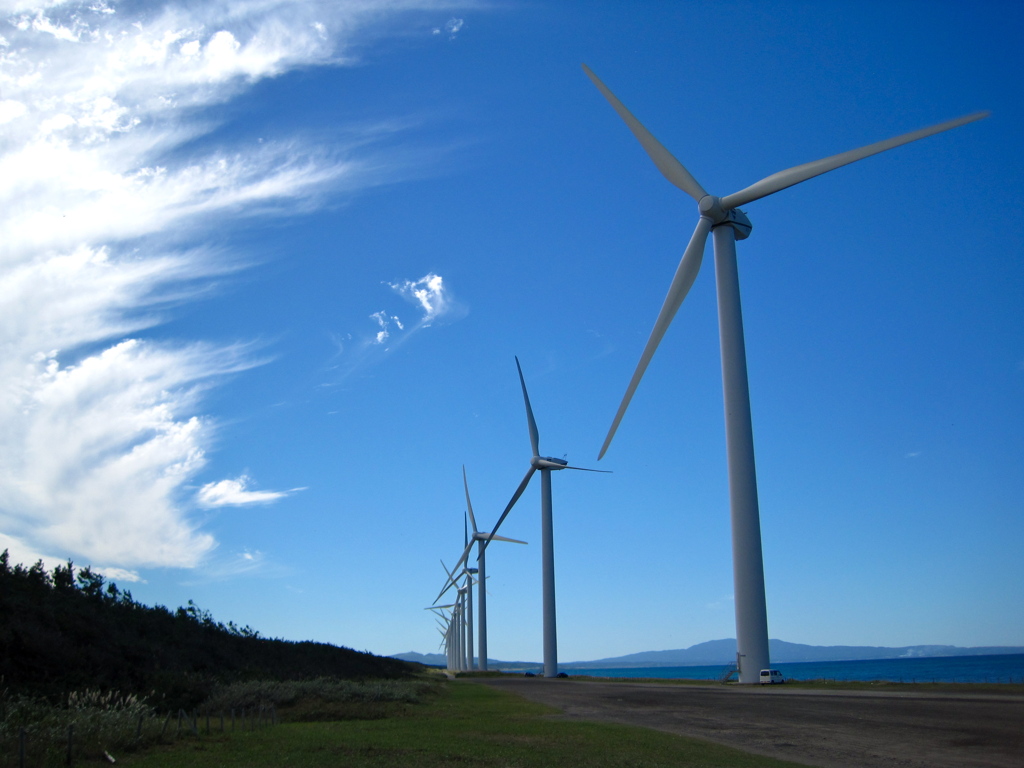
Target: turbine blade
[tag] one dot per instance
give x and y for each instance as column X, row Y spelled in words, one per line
column 779, row 181
column 451, row 575
column 508, row 508
column 441, row 594
column 686, row 273
column 495, row 537
column 534, row 435
column 585, row 469
column 469, row 504
column 670, row 168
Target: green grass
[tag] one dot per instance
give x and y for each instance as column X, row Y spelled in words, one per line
column 468, row 725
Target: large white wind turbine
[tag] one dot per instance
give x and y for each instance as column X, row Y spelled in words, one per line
column 721, row 217
column 546, row 465
column 479, row 538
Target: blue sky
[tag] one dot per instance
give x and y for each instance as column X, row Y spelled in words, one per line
column 265, row 266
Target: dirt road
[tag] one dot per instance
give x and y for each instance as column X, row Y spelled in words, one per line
column 833, row 729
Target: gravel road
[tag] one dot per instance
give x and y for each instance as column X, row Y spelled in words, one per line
column 832, row 729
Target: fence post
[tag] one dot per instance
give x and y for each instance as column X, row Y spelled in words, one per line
column 71, row 743
column 195, row 722
column 21, row 748
column 167, row 722
column 222, row 721
column 138, row 731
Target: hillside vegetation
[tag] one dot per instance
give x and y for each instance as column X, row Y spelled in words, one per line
column 69, row 630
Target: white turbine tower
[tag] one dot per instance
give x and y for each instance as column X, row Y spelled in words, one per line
column 546, row 465
column 479, row 538
column 722, row 217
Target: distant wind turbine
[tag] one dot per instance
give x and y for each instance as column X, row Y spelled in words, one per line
column 445, row 628
column 722, row 217
column 458, row 623
column 546, row 465
column 480, row 539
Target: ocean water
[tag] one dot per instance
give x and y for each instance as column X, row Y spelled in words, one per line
column 938, row 669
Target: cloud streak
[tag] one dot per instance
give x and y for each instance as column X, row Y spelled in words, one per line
column 236, row 493
column 101, row 431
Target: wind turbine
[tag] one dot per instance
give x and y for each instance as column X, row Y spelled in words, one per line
column 458, row 622
column 722, row 217
column 481, row 566
column 546, row 465
column 445, row 628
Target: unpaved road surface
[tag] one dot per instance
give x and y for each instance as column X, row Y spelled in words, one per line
column 833, row 729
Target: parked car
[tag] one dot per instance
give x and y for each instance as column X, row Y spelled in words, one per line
column 771, row 676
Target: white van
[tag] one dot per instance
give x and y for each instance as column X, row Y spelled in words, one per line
column 771, row 676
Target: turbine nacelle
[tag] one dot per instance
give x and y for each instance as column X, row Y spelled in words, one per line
column 537, row 462
column 548, row 462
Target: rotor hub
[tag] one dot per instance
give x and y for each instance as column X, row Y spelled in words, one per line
column 711, row 208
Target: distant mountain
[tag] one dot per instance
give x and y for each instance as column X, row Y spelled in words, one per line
column 430, row 659
column 439, row 660
column 723, row 652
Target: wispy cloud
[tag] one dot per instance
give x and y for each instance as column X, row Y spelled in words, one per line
column 244, row 563
column 236, row 493
column 384, row 321
column 433, row 301
column 430, row 294
column 101, row 431
column 120, row 575
column 451, row 28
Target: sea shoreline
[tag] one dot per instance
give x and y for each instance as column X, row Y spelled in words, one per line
column 1003, row 668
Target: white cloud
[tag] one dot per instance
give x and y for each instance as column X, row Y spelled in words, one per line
column 432, row 298
column 452, row 27
column 384, row 321
column 101, row 432
column 119, row 575
column 429, row 293
column 236, row 493
column 19, row 552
